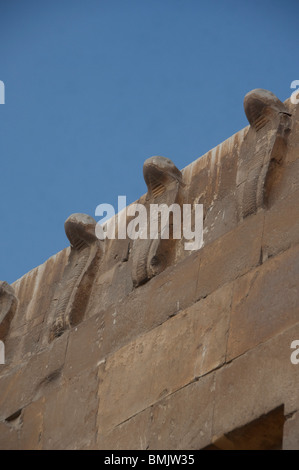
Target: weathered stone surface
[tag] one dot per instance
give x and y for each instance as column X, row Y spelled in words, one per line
column 164, row 360
column 281, row 226
column 110, row 288
column 180, row 421
column 8, row 437
column 265, row 303
column 176, row 425
column 256, row 383
column 213, row 176
column 22, row 343
column 35, row 289
column 31, row 432
column 291, row 433
column 84, row 346
column 221, row 218
column 109, row 330
column 263, row 433
column 285, row 180
column 70, row 414
column 230, row 256
column 132, row 434
column 8, row 305
column 32, row 379
column 195, row 355
column 293, row 140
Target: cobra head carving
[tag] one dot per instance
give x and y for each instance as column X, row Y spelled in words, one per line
column 71, row 297
column 260, row 106
column 159, row 173
column 163, row 180
column 262, row 150
column 80, row 230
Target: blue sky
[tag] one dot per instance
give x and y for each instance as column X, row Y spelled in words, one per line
column 95, row 87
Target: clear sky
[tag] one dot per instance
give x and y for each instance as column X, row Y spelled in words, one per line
column 95, row 87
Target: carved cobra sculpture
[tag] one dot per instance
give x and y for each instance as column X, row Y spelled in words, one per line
column 263, row 147
column 71, row 296
column 164, row 183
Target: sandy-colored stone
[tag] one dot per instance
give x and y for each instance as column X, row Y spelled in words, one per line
column 35, row 290
column 183, row 420
column 281, row 229
column 167, row 358
column 32, row 379
column 169, row 424
column 213, row 176
column 221, row 218
column 8, row 437
column 291, row 433
column 22, row 343
column 133, row 434
column 70, row 414
column 31, row 433
column 293, row 140
column 230, row 256
column 112, row 287
column 108, row 331
column 255, row 383
column 84, row 349
column 285, row 181
column 265, row 303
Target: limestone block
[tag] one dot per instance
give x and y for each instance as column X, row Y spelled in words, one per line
column 255, row 383
column 265, row 302
column 31, row 432
column 35, row 290
column 70, row 414
column 142, row 310
column 183, row 420
column 165, row 359
column 132, row 434
column 84, row 351
column 230, row 256
column 281, row 226
column 109, row 288
column 8, row 437
column 221, row 218
column 32, row 379
column 291, row 432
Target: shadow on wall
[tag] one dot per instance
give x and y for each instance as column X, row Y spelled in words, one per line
column 264, row 433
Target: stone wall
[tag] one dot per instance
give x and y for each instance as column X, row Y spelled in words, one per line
column 193, row 355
